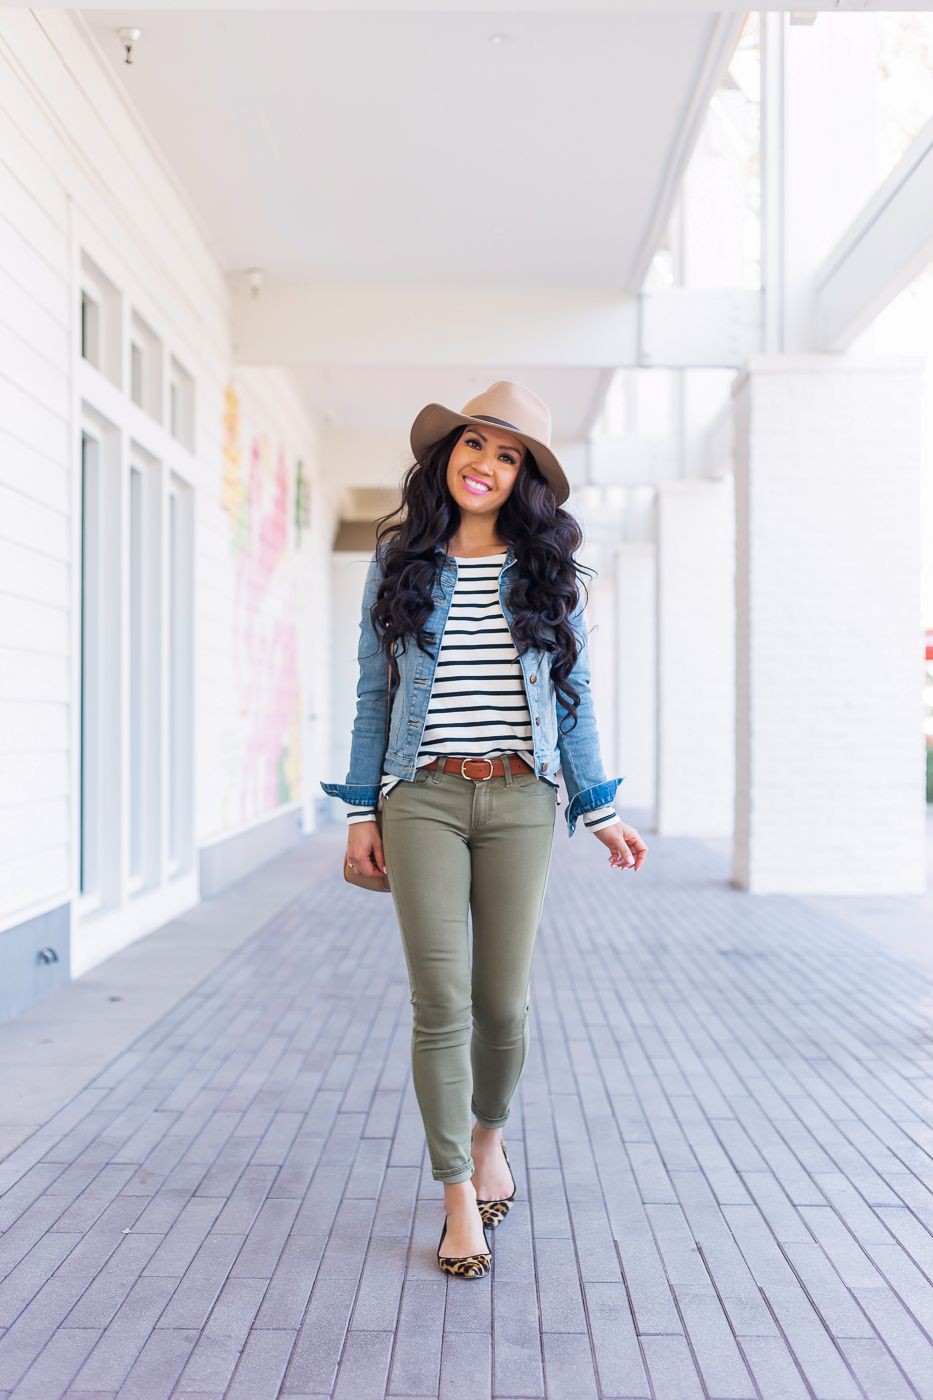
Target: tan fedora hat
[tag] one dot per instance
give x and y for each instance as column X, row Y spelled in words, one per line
column 506, row 405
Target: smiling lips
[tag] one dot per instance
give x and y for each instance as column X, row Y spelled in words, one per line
column 477, row 487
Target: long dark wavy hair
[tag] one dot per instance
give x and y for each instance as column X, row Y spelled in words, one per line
column 544, row 587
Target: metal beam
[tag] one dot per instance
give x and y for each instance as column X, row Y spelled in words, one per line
column 726, row 29
column 882, row 250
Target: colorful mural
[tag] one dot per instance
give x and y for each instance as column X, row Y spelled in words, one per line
column 234, row 496
column 302, row 502
column 265, row 636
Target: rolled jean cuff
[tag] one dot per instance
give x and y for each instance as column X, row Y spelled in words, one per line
column 452, row 1176
column 489, row 1122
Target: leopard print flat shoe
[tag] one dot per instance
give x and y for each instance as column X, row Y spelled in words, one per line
column 467, row 1265
column 494, row 1212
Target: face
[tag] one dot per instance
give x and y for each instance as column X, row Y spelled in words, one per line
column 482, row 469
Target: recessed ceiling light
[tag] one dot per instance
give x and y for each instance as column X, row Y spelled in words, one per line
column 500, row 38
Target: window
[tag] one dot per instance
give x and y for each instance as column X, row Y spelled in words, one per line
column 144, row 668
column 135, row 817
column 98, row 798
column 90, row 749
column 181, row 404
column 145, row 367
column 100, row 312
column 180, row 662
column 90, row 328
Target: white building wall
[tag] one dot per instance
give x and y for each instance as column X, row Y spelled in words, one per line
column 830, row 747
column 77, row 169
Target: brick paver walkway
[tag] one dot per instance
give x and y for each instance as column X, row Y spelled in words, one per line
column 722, row 1143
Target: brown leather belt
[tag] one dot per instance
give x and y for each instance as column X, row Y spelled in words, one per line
column 480, row 768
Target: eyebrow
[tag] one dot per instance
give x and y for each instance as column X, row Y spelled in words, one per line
column 505, row 446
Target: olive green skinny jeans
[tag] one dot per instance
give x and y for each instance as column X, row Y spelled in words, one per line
column 454, row 847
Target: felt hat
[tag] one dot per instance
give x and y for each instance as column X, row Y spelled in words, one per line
column 504, row 405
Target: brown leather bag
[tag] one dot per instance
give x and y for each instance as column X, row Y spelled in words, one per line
column 354, row 877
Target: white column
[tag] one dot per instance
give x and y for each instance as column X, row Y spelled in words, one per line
column 636, row 672
column 696, row 658
column 830, row 748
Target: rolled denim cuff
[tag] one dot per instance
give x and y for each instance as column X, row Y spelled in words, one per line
column 356, row 794
column 588, row 799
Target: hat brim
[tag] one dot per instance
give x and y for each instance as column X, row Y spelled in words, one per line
column 435, row 422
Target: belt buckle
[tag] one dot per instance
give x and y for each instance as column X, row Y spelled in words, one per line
column 477, row 760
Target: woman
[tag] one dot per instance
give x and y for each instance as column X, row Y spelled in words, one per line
column 473, row 597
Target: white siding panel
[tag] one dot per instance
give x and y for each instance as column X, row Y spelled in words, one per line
column 33, row 475
column 28, row 420
column 32, row 826
column 35, row 676
column 26, row 573
column 29, row 221
column 31, row 525
column 33, row 626
column 32, row 728
column 27, row 166
column 38, row 372
column 48, row 285
column 28, row 882
column 42, row 775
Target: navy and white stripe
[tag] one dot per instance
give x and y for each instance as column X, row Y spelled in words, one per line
column 478, row 704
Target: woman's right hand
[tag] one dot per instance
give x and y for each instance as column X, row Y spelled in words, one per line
column 364, row 848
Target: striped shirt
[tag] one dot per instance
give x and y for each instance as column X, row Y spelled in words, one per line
column 478, row 704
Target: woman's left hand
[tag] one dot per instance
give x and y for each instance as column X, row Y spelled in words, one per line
column 626, row 847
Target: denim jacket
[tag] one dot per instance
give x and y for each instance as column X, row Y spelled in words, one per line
column 576, row 754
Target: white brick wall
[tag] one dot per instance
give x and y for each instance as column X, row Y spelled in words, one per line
column 830, row 750
column 696, row 658
column 72, row 158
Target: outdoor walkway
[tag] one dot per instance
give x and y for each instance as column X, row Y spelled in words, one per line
column 722, row 1143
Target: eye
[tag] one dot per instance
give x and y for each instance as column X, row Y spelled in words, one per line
column 471, row 441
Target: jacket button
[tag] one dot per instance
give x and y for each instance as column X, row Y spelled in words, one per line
column 534, row 680
column 543, row 767
column 537, row 719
